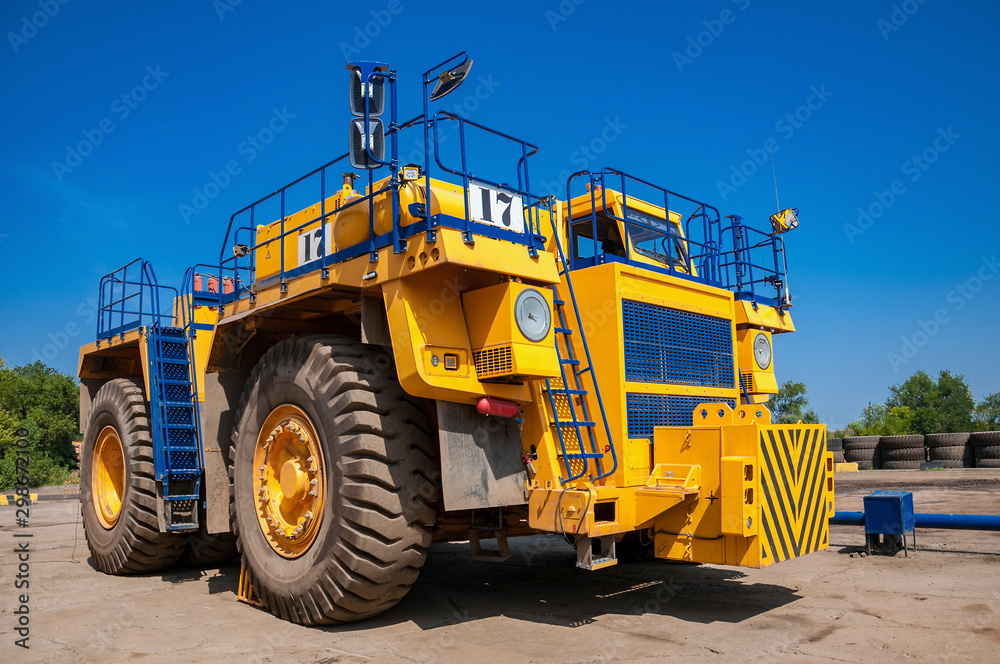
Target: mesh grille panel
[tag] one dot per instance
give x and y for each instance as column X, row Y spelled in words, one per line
column 493, row 361
column 645, row 411
column 678, row 347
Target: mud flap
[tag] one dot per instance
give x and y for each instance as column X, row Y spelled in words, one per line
column 481, row 459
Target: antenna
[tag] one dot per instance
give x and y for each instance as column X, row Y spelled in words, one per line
column 776, row 203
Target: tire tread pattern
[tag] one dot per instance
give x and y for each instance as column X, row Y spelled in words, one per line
column 383, row 450
column 135, row 544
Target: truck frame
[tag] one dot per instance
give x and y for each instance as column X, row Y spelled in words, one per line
column 371, row 367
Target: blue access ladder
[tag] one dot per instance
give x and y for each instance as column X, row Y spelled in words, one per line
column 176, row 437
column 129, row 299
column 577, row 416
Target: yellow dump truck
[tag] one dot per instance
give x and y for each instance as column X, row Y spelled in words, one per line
column 419, row 354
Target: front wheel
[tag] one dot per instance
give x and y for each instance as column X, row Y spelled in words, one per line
column 330, row 481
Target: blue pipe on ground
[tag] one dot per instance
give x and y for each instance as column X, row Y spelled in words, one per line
column 923, row 520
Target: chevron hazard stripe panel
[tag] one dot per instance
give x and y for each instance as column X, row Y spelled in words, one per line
column 795, row 485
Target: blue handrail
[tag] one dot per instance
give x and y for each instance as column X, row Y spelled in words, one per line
column 130, row 297
column 736, row 257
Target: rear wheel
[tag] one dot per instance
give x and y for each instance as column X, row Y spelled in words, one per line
column 330, row 481
column 209, row 550
column 117, row 485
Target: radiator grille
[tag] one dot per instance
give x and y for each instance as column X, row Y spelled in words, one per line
column 493, row 361
column 645, row 411
column 665, row 345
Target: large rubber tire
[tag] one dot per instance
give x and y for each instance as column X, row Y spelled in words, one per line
column 901, row 442
column 862, row 455
column 860, row 443
column 989, row 452
column 901, row 465
column 838, row 456
column 378, row 458
column 133, row 544
column 958, row 452
column 834, row 444
column 865, row 465
column 984, row 438
column 905, row 454
column 988, row 463
column 946, row 439
column 207, row 550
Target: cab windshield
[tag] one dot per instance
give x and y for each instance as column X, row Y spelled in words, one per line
column 656, row 239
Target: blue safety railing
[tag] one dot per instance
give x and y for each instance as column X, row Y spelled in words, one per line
column 530, row 203
column 688, row 249
column 129, row 298
column 278, row 206
column 754, row 264
column 697, row 247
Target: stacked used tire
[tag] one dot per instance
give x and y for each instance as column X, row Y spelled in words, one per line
column 950, row 450
column 985, row 447
column 862, row 450
column 901, row 452
column 836, row 445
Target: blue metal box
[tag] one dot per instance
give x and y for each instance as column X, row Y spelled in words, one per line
column 889, row 512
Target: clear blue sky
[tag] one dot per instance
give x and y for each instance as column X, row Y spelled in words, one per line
column 693, row 91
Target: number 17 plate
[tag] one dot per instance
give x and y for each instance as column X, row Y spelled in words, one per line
column 496, row 207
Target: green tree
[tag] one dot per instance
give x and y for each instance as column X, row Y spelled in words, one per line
column 880, row 420
column 986, row 416
column 940, row 406
column 788, row 405
column 43, row 405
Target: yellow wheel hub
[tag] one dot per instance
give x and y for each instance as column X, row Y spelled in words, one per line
column 107, row 481
column 288, row 481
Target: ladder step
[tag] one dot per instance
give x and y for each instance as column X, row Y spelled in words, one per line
column 558, row 302
column 178, row 404
column 174, row 498
column 167, row 360
column 578, row 423
column 181, row 527
column 580, row 456
column 170, row 381
column 562, row 391
column 575, row 363
column 564, row 330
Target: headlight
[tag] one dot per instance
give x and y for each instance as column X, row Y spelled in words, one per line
column 532, row 313
column 762, row 350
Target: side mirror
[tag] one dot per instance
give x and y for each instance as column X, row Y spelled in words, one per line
column 362, row 140
column 362, row 92
column 785, row 220
column 449, row 80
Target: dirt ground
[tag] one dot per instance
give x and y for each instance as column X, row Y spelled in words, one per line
column 940, row 604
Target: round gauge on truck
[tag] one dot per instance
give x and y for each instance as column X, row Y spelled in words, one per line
column 762, row 350
column 532, row 314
